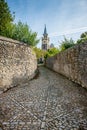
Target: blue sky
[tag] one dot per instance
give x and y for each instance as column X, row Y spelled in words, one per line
column 62, row 17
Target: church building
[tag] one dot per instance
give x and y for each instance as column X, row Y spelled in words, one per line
column 45, row 40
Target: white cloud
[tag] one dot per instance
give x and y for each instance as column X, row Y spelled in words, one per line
column 72, row 31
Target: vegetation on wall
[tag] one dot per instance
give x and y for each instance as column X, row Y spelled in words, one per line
column 66, row 43
column 83, row 38
column 19, row 31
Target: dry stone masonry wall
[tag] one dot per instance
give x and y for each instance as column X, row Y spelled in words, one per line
column 71, row 63
column 17, row 63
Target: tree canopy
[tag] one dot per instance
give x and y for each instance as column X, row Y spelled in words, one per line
column 23, row 33
column 5, row 16
column 19, row 31
column 39, row 52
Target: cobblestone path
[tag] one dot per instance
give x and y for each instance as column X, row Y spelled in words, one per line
column 50, row 102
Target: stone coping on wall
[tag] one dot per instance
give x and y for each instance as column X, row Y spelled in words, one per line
column 2, row 38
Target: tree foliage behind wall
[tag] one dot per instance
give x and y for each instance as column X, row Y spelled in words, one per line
column 39, row 52
column 19, row 31
column 83, row 38
column 51, row 52
column 66, row 43
column 23, row 33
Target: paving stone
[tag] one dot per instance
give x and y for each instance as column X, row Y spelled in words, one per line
column 22, row 123
column 50, row 102
column 43, row 125
column 5, row 123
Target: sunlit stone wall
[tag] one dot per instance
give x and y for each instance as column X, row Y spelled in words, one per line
column 71, row 63
column 18, row 63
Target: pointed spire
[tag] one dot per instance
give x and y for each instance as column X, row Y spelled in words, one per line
column 45, row 31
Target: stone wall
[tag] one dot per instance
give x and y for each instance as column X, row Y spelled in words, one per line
column 17, row 63
column 71, row 63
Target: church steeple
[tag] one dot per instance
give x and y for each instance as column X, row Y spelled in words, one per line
column 45, row 31
column 45, row 40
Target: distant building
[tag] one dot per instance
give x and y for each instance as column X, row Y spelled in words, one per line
column 45, row 40
column 51, row 45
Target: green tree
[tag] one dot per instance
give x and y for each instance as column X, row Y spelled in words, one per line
column 9, row 30
column 39, row 52
column 51, row 52
column 23, row 33
column 5, row 17
column 83, row 35
column 66, row 43
column 83, row 38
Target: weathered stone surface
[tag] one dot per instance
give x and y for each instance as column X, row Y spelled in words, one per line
column 71, row 63
column 17, row 63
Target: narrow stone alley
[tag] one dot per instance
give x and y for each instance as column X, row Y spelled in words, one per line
column 48, row 102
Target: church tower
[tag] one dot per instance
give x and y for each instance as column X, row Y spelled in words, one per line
column 45, row 40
